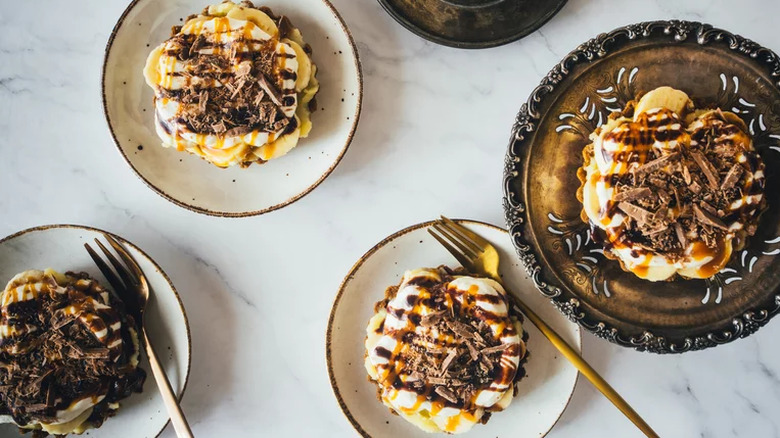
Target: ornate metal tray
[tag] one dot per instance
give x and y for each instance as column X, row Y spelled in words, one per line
column 716, row 68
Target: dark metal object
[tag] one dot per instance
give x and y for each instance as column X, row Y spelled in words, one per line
column 472, row 24
column 717, row 69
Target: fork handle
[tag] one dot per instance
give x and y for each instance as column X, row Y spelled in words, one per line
column 586, row 370
column 178, row 420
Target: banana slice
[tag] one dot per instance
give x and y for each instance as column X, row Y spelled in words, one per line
column 728, row 115
column 222, row 9
column 303, row 113
column 69, row 427
column 257, row 17
column 151, row 72
column 664, row 97
column 304, row 65
column 222, row 157
column 296, row 36
column 281, row 146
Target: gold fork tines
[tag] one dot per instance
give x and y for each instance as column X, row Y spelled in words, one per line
column 129, row 284
column 479, row 256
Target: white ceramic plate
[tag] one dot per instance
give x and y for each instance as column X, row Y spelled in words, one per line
column 195, row 184
column 543, row 394
column 61, row 247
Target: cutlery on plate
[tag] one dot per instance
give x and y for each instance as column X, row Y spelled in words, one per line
column 131, row 287
column 477, row 255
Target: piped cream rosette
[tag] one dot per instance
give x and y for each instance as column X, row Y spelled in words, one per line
column 224, row 30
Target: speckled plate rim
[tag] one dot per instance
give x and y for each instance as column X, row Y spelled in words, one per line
column 406, row 23
column 201, row 210
column 384, row 242
column 159, row 269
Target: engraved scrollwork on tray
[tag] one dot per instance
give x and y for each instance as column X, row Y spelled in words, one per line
column 762, row 121
column 761, row 117
column 585, row 255
column 611, row 97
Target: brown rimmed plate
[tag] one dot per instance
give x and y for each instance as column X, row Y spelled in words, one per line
column 194, row 184
column 61, row 247
column 717, row 69
column 543, row 394
column 472, row 24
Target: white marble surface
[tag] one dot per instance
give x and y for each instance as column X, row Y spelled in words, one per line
column 258, row 291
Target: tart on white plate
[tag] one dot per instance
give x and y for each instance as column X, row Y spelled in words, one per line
column 445, row 350
column 234, row 85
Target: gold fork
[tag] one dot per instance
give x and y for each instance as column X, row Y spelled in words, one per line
column 131, row 287
column 477, row 255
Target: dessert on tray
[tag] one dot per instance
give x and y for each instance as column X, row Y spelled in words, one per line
column 445, row 350
column 68, row 353
column 670, row 189
column 234, row 85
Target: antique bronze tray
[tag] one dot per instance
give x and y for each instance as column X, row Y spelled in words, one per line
column 472, row 24
column 716, row 68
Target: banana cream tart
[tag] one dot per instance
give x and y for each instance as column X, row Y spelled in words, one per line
column 444, row 350
column 234, row 85
column 68, row 353
column 670, row 189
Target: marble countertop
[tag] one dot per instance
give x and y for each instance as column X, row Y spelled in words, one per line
column 259, row 290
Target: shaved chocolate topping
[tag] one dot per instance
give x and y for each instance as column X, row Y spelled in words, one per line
column 637, row 213
column 706, row 168
column 678, row 230
column 707, row 218
column 230, row 85
column 448, row 361
column 269, row 88
column 633, row 194
column 732, row 177
column 472, row 351
column 447, row 394
column 494, row 349
column 432, row 318
column 710, row 187
column 461, row 329
column 457, row 355
column 656, row 164
column 76, row 343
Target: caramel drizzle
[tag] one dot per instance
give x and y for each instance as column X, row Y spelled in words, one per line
column 242, row 43
column 637, row 139
column 90, row 307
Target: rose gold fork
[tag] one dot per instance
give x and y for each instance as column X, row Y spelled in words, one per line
column 131, row 287
column 477, row 255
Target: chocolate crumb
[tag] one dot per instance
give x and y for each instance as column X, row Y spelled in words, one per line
column 708, row 218
column 447, row 362
column 430, row 319
column 633, row 194
column 680, row 235
column 203, row 99
column 495, row 349
column 706, row 168
column 447, row 394
column 656, row 164
column 472, row 351
column 639, row 214
column 732, row 177
column 269, row 89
